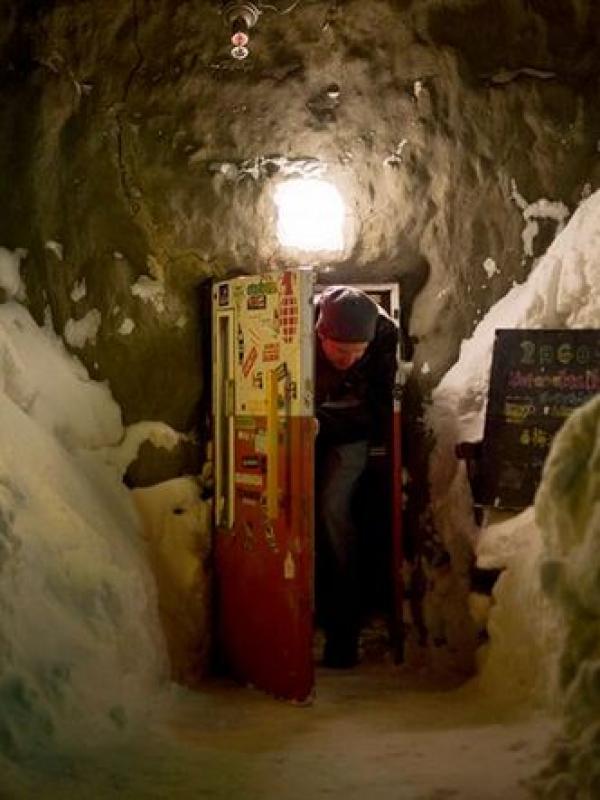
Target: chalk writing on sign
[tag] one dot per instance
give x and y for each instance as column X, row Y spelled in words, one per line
column 538, row 378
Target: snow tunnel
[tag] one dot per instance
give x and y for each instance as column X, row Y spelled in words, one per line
column 248, row 247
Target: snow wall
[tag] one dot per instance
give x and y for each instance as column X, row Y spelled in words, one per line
column 568, row 513
column 544, row 623
column 81, row 653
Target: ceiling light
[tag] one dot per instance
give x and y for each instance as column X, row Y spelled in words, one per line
column 311, row 215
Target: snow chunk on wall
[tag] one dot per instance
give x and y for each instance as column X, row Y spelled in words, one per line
column 150, row 291
column 56, row 248
column 490, row 267
column 79, row 291
column 10, row 278
column 126, row 327
column 79, row 332
column 540, row 209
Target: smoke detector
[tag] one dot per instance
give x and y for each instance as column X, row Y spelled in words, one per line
column 240, row 17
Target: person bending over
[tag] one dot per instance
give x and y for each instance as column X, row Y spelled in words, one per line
column 355, row 368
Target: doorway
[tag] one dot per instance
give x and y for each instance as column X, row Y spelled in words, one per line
column 264, row 433
column 377, row 513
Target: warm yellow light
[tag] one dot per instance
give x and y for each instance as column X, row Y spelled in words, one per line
column 311, row 215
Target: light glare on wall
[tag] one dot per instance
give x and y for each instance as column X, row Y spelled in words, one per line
column 311, row 215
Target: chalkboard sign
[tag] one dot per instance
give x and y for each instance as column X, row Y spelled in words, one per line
column 538, row 378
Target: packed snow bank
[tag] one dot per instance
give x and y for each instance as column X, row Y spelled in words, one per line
column 568, row 513
column 563, row 291
column 520, row 662
column 177, row 527
column 10, row 278
column 81, row 654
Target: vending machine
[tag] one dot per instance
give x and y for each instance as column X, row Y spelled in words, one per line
column 264, row 443
column 264, row 431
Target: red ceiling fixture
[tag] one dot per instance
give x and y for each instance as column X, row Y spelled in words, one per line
column 241, row 16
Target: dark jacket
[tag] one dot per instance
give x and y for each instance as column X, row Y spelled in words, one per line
column 356, row 403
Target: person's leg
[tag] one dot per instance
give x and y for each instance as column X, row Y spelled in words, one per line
column 339, row 468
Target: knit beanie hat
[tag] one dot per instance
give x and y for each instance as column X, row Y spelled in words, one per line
column 347, row 315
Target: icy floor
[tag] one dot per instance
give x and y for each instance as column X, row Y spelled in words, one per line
column 370, row 734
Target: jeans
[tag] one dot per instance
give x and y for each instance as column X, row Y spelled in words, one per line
column 338, row 468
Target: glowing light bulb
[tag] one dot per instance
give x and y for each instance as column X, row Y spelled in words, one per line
column 311, row 215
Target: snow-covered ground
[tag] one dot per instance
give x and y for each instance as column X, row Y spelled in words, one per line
column 371, row 733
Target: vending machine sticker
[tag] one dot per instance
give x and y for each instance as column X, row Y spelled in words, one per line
column 289, row 567
column 260, row 442
column 271, row 352
column 254, row 462
column 263, row 287
column 288, row 308
column 240, row 344
column 270, row 538
column 224, row 294
column 255, row 335
column 268, row 317
column 245, row 425
column 257, row 302
column 248, row 479
column 249, row 498
column 249, row 362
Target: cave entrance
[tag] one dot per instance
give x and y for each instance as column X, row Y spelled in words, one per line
column 264, row 440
